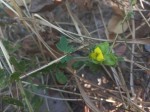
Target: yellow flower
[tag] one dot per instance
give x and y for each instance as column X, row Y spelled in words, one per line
column 100, row 57
column 97, row 50
column 93, row 55
column 97, row 55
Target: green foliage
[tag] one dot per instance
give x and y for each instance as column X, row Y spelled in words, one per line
column 34, row 88
column 61, row 78
column 66, row 59
column 11, row 47
column 54, row 67
column 4, row 79
column 110, row 58
column 78, row 64
column 133, row 2
column 15, row 76
column 63, row 45
column 35, row 100
column 104, row 47
column 36, row 103
column 12, row 101
column 19, row 66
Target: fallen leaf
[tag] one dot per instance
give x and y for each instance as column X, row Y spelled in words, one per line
column 118, row 11
column 115, row 25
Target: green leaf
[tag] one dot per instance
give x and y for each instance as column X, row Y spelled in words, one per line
column 19, row 66
column 104, row 47
column 64, row 46
column 77, row 64
column 61, row 78
column 54, row 67
column 15, row 76
column 60, row 65
column 12, row 101
column 66, row 59
column 110, row 60
column 4, row 78
column 36, row 103
column 10, row 46
column 34, row 88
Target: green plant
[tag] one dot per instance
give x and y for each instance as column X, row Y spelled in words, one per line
column 63, row 45
column 100, row 54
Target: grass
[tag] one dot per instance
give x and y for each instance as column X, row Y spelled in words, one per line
column 31, row 73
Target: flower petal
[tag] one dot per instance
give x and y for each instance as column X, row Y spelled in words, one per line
column 93, row 55
column 97, row 50
column 100, row 57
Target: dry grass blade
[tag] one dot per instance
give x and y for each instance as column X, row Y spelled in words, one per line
column 139, row 41
column 138, row 27
column 47, row 23
column 119, row 83
column 143, row 16
column 34, row 71
column 100, row 10
column 25, row 4
column 7, row 5
column 6, row 55
column 130, row 41
column 78, row 24
column 138, row 65
column 132, row 56
column 133, row 41
column 74, row 21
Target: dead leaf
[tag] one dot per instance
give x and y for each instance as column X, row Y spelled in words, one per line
column 118, row 11
column 44, row 5
column 115, row 25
